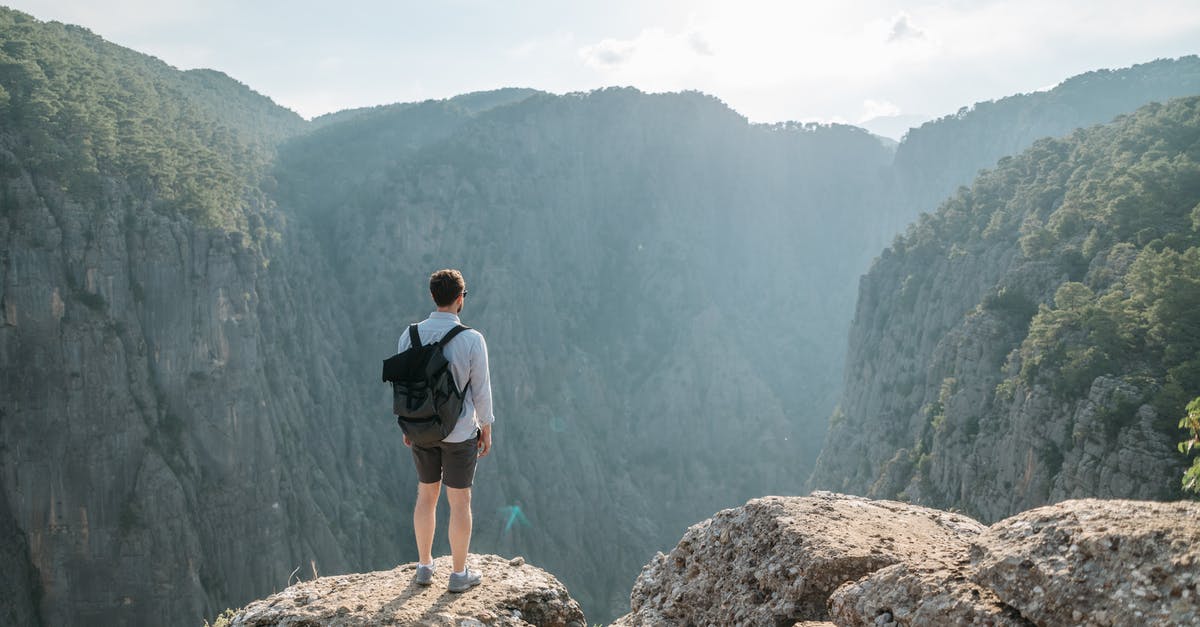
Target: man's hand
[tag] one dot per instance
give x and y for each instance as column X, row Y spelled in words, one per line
column 485, row 440
column 407, row 442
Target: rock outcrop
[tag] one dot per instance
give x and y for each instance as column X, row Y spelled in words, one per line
column 512, row 593
column 1096, row 562
column 854, row 561
column 777, row 559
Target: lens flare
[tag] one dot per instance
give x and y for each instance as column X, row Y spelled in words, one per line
column 514, row 516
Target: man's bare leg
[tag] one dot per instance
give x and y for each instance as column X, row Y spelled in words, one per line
column 425, row 519
column 460, row 525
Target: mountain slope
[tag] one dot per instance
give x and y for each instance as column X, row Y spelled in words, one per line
column 1036, row 338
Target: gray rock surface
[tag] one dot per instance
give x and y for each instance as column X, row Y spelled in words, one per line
column 1096, row 562
column 935, row 591
column 513, row 593
column 777, row 559
column 852, row 561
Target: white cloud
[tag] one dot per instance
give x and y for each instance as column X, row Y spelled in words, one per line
column 699, row 44
column 902, row 29
column 760, row 45
column 609, row 53
column 877, row 109
column 822, row 59
column 769, row 59
column 655, row 59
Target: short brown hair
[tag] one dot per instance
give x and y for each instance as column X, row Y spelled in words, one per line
column 446, row 285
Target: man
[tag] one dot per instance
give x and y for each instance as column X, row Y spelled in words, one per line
column 452, row 461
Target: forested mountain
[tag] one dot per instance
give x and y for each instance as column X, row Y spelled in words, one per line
column 198, row 288
column 1037, row 337
column 81, row 109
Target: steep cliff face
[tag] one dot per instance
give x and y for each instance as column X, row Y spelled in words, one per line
column 169, row 407
column 168, row 402
column 1034, row 339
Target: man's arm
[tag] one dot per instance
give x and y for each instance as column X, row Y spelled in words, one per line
column 401, row 346
column 481, row 395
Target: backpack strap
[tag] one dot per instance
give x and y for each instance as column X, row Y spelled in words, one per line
column 450, row 335
column 414, row 338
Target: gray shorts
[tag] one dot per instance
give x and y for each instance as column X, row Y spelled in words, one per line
column 452, row 464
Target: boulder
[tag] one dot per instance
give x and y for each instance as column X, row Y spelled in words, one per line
column 512, row 593
column 776, row 560
column 937, row 592
column 1096, row 562
column 853, row 562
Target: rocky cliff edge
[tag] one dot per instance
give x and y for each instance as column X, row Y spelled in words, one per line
column 855, row 561
column 513, row 593
column 828, row 559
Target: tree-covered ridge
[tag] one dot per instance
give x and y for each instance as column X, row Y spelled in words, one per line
column 935, row 158
column 219, row 96
column 472, row 103
column 78, row 109
column 1114, row 213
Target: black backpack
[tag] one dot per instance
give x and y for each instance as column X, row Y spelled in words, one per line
column 425, row 399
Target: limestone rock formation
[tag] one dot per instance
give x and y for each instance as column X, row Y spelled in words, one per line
column 935, row 592
column 512, row 593
column 1096, row 562
column 853, row 561
column 777, row 559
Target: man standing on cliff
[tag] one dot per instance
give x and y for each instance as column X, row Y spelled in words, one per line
column 452, row 461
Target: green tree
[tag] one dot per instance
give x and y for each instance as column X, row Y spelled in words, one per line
column 81, row 111
column 1191, row 423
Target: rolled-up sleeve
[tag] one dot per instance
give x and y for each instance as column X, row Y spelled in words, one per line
column 481, row 383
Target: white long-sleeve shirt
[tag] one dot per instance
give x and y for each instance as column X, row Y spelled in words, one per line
column 468, row 357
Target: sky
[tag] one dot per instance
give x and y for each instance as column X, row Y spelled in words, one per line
column 884, row 64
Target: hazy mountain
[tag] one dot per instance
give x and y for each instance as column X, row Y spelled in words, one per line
column 894, row 127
